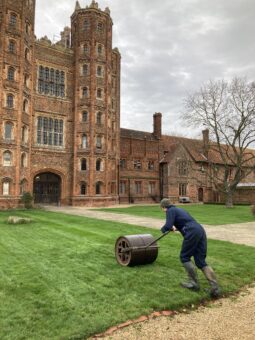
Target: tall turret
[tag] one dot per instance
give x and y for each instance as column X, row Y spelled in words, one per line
column 96, row 103
column 16, row 78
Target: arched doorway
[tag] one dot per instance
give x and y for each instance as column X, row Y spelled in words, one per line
column 200, row 195
column 47, row 188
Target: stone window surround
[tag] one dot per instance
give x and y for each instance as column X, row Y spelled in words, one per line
column 54, row 78
column 12, row 46
column 183, row 189
column 11, row 73
column 84, row 116
column 138, row 187
column 13, row 19
column 6, row 187
column 7, row 158
column 60, row 139
column 8, row 130
column 123, row 187
column 151, row 187
column 10, row 101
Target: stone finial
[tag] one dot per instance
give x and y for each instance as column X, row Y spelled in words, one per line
column 77, row 6
column 116, row 50
column 45, row 40
column 107, row 10
column 94, row 4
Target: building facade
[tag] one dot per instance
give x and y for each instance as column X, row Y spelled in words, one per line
column 60, row 135
column 60, row 108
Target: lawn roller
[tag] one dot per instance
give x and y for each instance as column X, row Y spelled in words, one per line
column 132, row 250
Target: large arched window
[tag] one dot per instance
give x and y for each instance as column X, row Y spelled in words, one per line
column 8, row 131
column 10, row 101
column 11, row 73
column 51, row 82
column 7, row 158
column 50, row 131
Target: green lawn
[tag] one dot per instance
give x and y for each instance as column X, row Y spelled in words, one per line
column 204, row 213
column 59, row 278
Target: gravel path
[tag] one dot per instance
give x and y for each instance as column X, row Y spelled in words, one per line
column 230, row 318
column 226, row 319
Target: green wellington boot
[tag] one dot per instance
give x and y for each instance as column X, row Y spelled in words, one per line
column 211, row 277
column 192, row 282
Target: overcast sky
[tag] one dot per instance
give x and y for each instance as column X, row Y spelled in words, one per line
column 169, row 48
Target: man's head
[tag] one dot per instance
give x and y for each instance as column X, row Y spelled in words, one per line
column 165, row 203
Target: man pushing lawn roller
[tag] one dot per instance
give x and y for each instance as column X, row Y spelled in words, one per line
column 194, row 244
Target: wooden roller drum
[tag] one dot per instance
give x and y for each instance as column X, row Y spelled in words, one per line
column 133, row 250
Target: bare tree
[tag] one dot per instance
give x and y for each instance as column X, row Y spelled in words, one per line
column 227, row 110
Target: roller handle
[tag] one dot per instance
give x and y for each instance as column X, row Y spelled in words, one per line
column 157, row 239
column 147, row 246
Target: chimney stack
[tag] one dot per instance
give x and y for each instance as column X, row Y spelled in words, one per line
column 205, row 142
column 157, row 131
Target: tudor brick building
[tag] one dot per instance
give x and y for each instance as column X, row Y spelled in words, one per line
column 60, row 135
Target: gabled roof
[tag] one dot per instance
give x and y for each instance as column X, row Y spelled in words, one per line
column 193, row 146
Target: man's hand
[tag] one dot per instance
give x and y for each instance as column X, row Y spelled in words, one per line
column 174, row 228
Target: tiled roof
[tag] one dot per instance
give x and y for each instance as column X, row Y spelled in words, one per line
column 195, row 147
column 127, row 133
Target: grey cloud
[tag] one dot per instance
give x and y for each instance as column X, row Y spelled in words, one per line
column 169, row 48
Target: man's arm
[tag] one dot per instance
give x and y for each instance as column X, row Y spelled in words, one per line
column 170, row 218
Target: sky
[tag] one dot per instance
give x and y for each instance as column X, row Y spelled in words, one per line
column 169, row 49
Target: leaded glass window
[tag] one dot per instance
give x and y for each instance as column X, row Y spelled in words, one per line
column 50, row 131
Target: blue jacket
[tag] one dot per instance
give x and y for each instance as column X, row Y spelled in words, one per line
column 179, row 218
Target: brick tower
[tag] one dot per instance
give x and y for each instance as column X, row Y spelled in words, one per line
column 16, row 65
column 96, row 107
